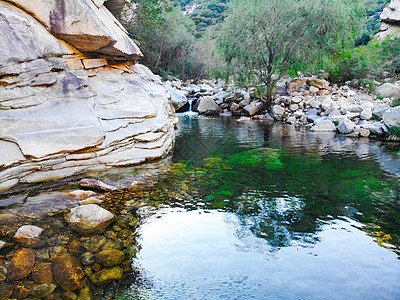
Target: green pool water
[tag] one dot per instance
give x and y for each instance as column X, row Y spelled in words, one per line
column 253, row 210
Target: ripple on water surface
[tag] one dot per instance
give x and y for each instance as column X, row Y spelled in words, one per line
column 202, row 254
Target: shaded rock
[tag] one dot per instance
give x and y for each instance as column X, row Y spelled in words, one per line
column 42, row 273
column 21, row 264
column 207, row 106
column 312, row 115
column 346, row 126
column 89, row 219
column 391, row 117
column 379, row 111
column 96, row 184
column 28, row 235
column 178, row 98
column 388, row 90
column 105, row 276
column 67, row 272
column 374, row 128
column 21, row 291
column 43, row 290
column 110, row 258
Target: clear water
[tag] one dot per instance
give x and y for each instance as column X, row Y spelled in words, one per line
column 319, row 218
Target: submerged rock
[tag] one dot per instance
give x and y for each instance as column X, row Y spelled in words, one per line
column 42, row 273
column 110, row 258
column 96, row 184
column 21, row 264
column 43, row 290
column 89, row 219
column 105, row 276
column 67, row 272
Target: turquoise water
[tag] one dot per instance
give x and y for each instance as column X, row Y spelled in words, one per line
column 264, row 211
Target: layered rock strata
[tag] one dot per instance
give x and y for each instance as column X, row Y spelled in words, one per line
column 390, row 18
column 72, row 98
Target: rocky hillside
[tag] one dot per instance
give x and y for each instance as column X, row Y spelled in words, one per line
column 390, row 18
column 72, row 98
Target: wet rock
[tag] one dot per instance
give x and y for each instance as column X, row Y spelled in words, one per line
column 85, row 294
column 81, row 194
column 110, row 258
column 91, row 200
column 28, row 235
column 96, row 184
column 6, row 290
column 3, row 273
column 87, row 258
column 42, row 254
column 346, row 126
column 43, row 290
column 110, row 244
column 21, row 291
column 105, row 276
column 94, row 243
column 21, row 264
column 74, row 246
column 253, row 108
column 42, row 273
column 8, row 218
column 68, row 295
column 89, row 219
column 67, row 272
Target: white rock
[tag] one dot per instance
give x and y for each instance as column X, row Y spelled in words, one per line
column 366, row 114
column 337, row 116
column 388, row 90
column 278, row 110
column 326, row 102
column 28, row 235
column 208, row 106
column 346, row 126
column 89, row 219
column 323, row 125
column 178, row 98
column 391, row 117
column 379, row 111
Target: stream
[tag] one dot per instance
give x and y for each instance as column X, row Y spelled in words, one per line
column 268, row 211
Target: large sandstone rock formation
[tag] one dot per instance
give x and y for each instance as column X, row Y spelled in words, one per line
column 390, row 18
column 72, row 98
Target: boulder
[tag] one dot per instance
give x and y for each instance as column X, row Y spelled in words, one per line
column 326, row 102
column 374, row 128
column 366, row 114
column 28, row 235
column 89, row 219
column 96, row 185
column 379, row 111
column 106, row 276
column 323, row 125
column 346, row 126
column 295, row 84
column 110, row 258
column 253, row 108
column 391, row 117
column 319, row 83
column 312, row 115
column 67, row 272
column 178, row 98
column 388, row 90
column 335, row 115
column 207, row 106
column 278, row 110
column 391, row 13
column 21, row 264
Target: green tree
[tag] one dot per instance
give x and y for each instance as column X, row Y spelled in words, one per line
column 264, row 39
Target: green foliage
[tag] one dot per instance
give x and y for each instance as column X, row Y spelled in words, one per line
column 294, row 35
column 394, row 131
column 373, row 59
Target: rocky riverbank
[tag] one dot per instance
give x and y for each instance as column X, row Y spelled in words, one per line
column 310, row 102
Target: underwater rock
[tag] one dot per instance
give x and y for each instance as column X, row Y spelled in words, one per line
column 105, row 276
column 21, row 264
column 89, row 219
column 96, row 184
column 43, row 290
column 67, row 272
column 94, row 243
column 42, row 273
column 110, row 258
column 87, row 258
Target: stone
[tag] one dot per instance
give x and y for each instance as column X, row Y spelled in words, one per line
column 93, row 63
column 3, row 273
column 21, row 264
column 42, row 273
column 106, row 276
column 253, row 108
column 207, row 106
column 294, row 107
column 295, row 84
column 43, row 290
column 391, row 117
column 87, row 258
column 178, row 98
column 291, row 120
column 363, row 132
column 234, row 107
column 312, row 115
column 90, row 200
column 96, row 184
column 346, row 126
column 278, row 110
column 81, row 194
column 366, row 114
column 28, row 235
column 315, row 104
column 337, row 116
column 110, row 258
column 326, row 102
column 313, row 89
column 391, row 13
column 89, row 219
column 319, row 83
column 388, row 90
column 67, row 272
column 374, row 128
column 296, row 100
column 21, row 291
column 2, row 244
column 10, row 153
column 379, row 111
column 324, row 125
column 94, row 243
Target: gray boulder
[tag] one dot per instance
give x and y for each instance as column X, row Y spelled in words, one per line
column 391, row 117
column 388, row 90
column 379, row 111
column 323, row 125
column 208, row 106
column 346, row 126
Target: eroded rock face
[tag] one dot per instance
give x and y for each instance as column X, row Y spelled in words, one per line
column 64, row 112
column 390, row 18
